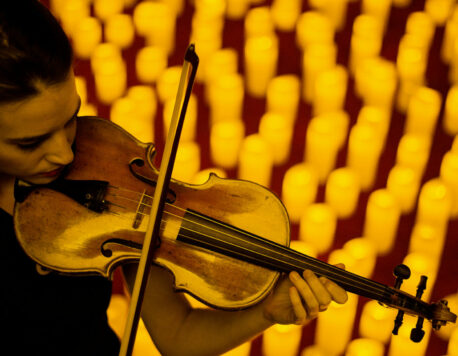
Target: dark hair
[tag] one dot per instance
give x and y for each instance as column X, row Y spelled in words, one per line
column 33, row 49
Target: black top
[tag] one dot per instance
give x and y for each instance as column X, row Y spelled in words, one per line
column 50, row 314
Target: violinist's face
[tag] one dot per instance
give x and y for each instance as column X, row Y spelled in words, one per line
column 36, row 134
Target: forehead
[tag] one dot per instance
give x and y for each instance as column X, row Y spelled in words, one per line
column 41, row 113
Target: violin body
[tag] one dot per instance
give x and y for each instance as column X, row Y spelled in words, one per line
column 63, row 235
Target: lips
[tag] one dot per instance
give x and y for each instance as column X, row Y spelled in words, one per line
column 53, row 173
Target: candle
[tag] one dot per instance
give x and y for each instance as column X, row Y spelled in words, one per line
column 167, row 83
column 364, row 148
column 261, row 57
column 439, row 10
column 376, row 321
column 420, row 23
column 104, row 53
column 283, row 96
column 317, row 58
column 144, row 100
column 221, row 62
column 455, row 144
column 119, row 29
column 313, row 27
column 451, row 111
column 303, row 247
column 335, row 10
column 236, row 9
column 313, row 350
column 378, row 118
column 321, row 146
column 86, row 36
column 255, row 160
column 187, row 161
column 150, row 63
column 334, row 327
column 342, row 192
column 104, row 9
column 278, row 132
column 285, row 14
column 402, row 345
column 258, row 22
column 299, row 189
column 203, row 176
column 434, row 204
column 188, row 131
column 244, row 349
column 381, row 220
column 81, row 88
column 427, row 240
column 225, row 142
column 379, row 82
column 87, row 110
column 317, row 226
column 110, row 81
column 226, row 98
column 449, row 174
column 330, row 90
column 403, row 182
column 378, row 8
column 71, row 12
column 452, row 348
column 364, row 253
column 413, row 152
column 420, row 265
column 365, row 347
column 281, row 340
column 423, row 111
column 451, row 30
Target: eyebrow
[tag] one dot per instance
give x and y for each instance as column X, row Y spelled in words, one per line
column 46, row 135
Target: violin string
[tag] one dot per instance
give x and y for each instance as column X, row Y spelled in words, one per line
column 323, row 266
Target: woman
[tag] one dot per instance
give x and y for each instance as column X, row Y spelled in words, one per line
column 49, row 314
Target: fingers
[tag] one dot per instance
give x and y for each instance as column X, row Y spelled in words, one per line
column 338, row 294
column 306, row 296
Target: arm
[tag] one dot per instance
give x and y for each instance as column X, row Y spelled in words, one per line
column 177, row 329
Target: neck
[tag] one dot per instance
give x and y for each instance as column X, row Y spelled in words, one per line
column 7, row 193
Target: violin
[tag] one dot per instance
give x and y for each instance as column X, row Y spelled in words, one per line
column 225, row 241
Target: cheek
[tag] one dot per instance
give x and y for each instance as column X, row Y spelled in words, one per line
column 18, row 163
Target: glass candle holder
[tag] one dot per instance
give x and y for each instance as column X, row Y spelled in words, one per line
column 278, row 132
column 342, row 192
column 225, row 142
column 119, row 29
column 255, row 160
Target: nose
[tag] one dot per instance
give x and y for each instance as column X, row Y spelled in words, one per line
column 60, row 148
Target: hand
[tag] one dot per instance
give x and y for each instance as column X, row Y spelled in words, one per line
column 296, row 299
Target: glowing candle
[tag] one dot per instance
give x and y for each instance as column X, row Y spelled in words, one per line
column 452, row 348
column 336, row 324
column 449, row 174
column 420, row 265
column 167, row 83
column 321, row 146
column 225, row 142
column 156, row 22
column 365, row 347
column 451, row 30
column 419, row 23
column 299, row 189
column 378, row 8
column 104, row 53
column 285, row 14
column 187, row 161
column 221, row 62
column 313, row 27
column 86, row 36
column 226, row 98
column 317, row 226
column 313, row 350
column 236, row 9
column 110, row 81
column 451, row 111
column 277, row 132
column 342, row 192
column 317, row 58
column 335, row 10
column 283, row 96
column 434, row 204
column 376, row 117
column 439, row 10
column 87, row 110
column 403, row 182
column 340, row 121
column 103, row 9
column 71, row 12
column 303, row 247
column 144, row 99
column 119, row 29
column 242, row 350
column 202, row 176
column 381, row 221
column 364, row 253
column 413, row 152
column 188, row 132
column 255, row 160
column 330, row 90
column 379, row 87
column 423, row 111
column 81, row 88
column 427, row 240
column 376, row 321
column 455, row 144
column 401, row 345
column 261, row 57
column 281, row 340
column 363, row 153
column 150, row 62
column 258, row 22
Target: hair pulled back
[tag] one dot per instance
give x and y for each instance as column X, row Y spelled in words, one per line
column 33, row 49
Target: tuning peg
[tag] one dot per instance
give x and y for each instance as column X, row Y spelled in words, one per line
column 401, row 272
column 417, row 333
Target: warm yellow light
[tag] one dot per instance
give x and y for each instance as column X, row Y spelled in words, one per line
column 317, row 226
column 255, row 160
column 342, row 191
column 376, row 321
column 225, row 142
column 187, row 162
column 86, row 36
column 449, row 174
column 104, row 9
column 312, row 27
column 404, row 183
column 365, row 347
column 330, row 90
column 281, row 340
column 278, row 132
column 226, row 96
column 258, row 22
column 413, row 152
column 364, row 253
column 283, row 96
column 119, row 29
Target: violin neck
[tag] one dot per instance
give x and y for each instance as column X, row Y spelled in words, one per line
column 206, row 232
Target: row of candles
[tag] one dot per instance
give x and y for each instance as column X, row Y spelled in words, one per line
column 380, row 84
